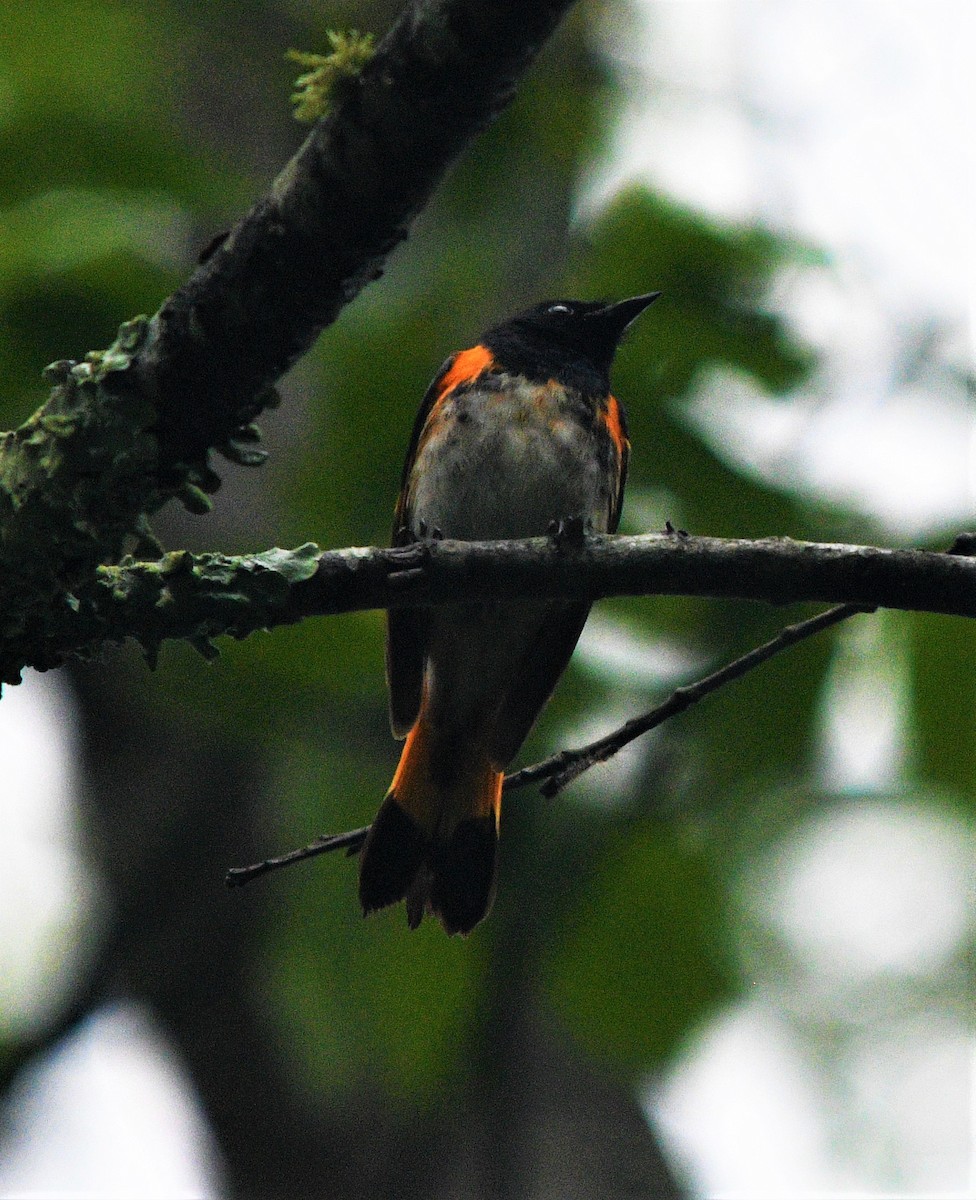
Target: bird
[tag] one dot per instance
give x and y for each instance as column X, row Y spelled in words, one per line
column 517, row 436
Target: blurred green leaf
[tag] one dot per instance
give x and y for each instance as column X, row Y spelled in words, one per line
column 943, row 701
column 61, row 230
column 639, row 964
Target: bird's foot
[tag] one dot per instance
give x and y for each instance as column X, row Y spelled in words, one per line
column 670, row 530
column 405, row 536
column 570, row 533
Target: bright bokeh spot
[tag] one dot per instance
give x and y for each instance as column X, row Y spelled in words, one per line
column 46, row 892
column 110, row 1115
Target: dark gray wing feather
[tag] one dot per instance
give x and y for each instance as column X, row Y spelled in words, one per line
column 406, row 628
column 535, row 678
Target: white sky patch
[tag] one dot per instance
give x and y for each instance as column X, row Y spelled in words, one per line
column 848, row 123
column 742, row 1112
column 610, row 649
column 886, row 428
column 876, row 888
column 744, row 1115
column 683, row 129
column 840, row 1075
column 864, row 707
column 910, row 1090
column 850, row 126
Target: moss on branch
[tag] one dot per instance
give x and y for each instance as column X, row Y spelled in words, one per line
column 317, row 90
column 193, row 598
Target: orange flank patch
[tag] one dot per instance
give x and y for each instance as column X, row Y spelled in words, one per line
column 616, row 427
column 439, row 785
column 467, row 365
column 491, row 795
column 412, row 784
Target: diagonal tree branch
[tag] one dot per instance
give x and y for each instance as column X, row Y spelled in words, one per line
column 331, row 218
column 132, row 426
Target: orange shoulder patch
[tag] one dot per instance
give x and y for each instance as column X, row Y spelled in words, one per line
column 467, row 365
column 615, row 425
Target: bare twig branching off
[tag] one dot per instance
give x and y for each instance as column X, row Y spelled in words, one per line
column 561, row 769
column 351, row 842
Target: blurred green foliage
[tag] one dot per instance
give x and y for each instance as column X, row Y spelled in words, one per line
column 639, row 954
column 129, row 134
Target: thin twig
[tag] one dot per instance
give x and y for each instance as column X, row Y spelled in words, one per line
column 561, row 769
column 350, row 841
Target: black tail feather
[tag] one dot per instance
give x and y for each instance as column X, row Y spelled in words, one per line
column 394, row 852
column 464, row 875
column 454, row 880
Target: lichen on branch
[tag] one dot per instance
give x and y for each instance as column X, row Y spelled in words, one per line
column 66, row 482
column 78, row 482
column 179, row 596
column 198, row 598
column 317, row 90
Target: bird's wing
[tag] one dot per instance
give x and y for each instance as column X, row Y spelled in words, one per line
column 535, row 677
column 406, row 628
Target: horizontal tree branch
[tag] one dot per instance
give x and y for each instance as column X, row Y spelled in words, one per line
column 207, row 596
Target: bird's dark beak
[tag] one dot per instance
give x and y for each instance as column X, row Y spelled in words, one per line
column 622, row 314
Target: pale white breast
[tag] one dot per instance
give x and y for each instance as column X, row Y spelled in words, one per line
column 505, row 464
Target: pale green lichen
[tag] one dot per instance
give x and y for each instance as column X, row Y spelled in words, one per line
column 79, row 481
column 99, row 363
column 194, row 499
column 316, row 90
column 179, row 596
column 70, row 477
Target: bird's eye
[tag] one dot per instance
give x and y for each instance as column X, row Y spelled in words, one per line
column 559, row 308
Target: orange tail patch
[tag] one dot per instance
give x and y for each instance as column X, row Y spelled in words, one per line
column 434, row 841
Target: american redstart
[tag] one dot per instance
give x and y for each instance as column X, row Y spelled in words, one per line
column 515, row 436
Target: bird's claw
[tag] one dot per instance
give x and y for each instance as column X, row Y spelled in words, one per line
column 570, row 532
column 405, row 536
